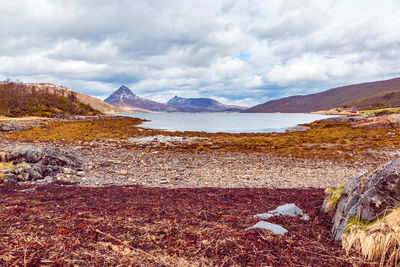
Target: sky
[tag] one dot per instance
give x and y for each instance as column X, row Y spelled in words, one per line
column 242, row 52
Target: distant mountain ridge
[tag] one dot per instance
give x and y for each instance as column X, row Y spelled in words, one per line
column 125, row 99
column 202, row 105
column 371, row 95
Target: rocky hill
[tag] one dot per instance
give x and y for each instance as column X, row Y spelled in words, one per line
column 49, row 100
column 372, row 95
column 202, row 105
column 126, row 100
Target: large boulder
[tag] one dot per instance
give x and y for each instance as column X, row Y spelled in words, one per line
column 368, row 196
column 47, row 156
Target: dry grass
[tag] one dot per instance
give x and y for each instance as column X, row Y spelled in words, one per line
column 379, row 241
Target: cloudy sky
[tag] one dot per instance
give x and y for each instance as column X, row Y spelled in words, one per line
column 240, row 52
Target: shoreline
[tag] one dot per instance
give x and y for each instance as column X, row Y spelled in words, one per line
column 293, row 159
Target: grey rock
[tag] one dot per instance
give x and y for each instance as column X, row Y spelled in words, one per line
column 34, row 175
column 48, row 179
column 368, row 197
column 80, row 173
column 25, row 176
column 68, row 170
column 164, row 181
column 274, row 228
column 5, row 127
column 305, row 217
column 48, row 156
column 286, row 210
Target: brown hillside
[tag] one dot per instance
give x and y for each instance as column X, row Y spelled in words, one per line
column 85, row 99
column 370, row 95
column 19, row 99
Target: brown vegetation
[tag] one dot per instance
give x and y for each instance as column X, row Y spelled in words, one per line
column 322, row 140
column 18, row 99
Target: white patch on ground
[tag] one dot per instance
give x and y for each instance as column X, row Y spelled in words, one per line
column 162, row 139
column 274, row 228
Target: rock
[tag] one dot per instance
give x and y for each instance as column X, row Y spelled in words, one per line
column 25, row 176
column 67, row 170
column 305, row 217
column 164, row 181
column 123, row 172
column 286, row 210
column 247, row 177
column 3, row 156
column 80, row 173
column 368, row 196
column 48, row 156
column 48, row 179
column 215, row 147
column 274, row 228
column 4, row 127
column 34, row 175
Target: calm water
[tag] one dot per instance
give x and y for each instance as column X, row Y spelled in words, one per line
column 225, row 122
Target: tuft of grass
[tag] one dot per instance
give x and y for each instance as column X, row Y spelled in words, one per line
column 376, row 241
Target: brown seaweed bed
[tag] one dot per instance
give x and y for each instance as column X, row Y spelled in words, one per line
column 59, row 224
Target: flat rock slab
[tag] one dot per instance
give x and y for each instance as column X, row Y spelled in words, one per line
column 286, row 210
column 274, row 228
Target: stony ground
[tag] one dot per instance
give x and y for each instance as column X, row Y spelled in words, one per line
column 118, row 166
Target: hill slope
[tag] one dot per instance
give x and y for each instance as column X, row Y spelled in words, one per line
column 379, row 94
column 126, row 100
column 202, row 105
column 85, row 99
column 19, row 99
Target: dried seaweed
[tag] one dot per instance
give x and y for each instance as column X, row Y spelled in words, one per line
column 72, row 225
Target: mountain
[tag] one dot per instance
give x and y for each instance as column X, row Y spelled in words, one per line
column 363, row 96
column 202, row 105
column 125, row 99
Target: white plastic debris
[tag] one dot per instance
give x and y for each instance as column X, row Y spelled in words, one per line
column 274, row 228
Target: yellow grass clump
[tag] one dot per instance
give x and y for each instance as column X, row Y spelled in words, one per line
column 379, row 241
